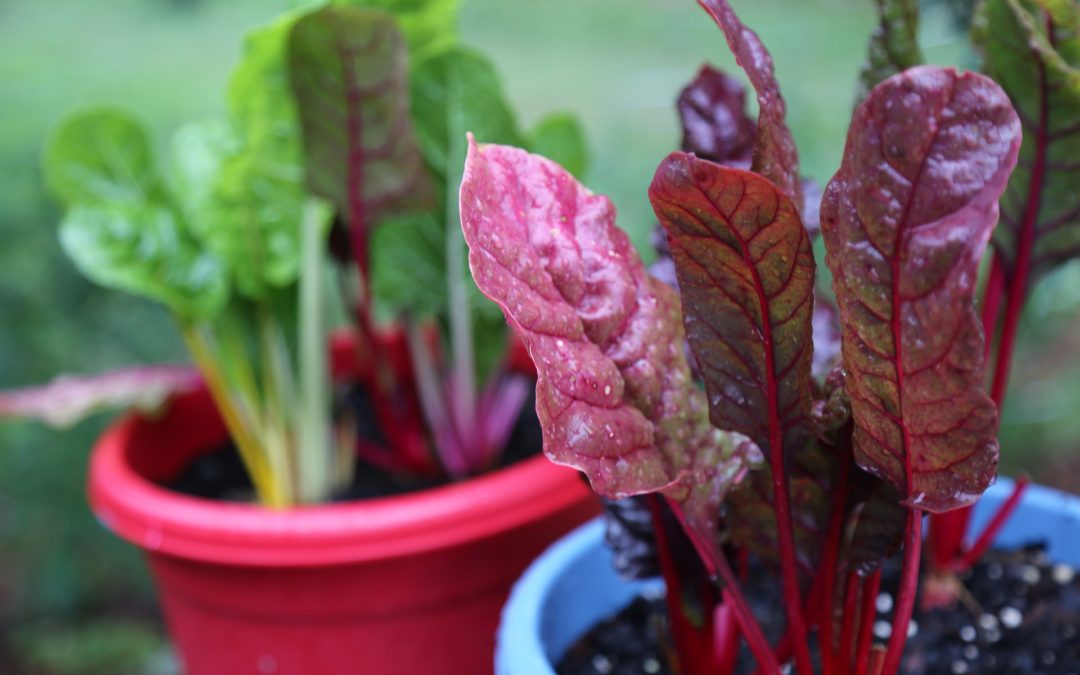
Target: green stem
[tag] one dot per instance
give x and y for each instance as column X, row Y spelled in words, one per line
column 316, row 468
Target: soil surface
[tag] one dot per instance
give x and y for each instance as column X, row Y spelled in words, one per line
column 1021, row 614
column 221, row 475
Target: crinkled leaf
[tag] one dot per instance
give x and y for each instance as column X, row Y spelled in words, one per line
column 712, row 113
column 746, row 276
column 1033, row 50
column 750, row 511
column 428, row 25
column 71, row 398
column 347, row 69
column 614, row 394
column 144, row 249
column 894, row 44
column 121, row 228
column 775, row 155
column 242, row 210
column 101, row 156
column 905, row 221
column 560, row 138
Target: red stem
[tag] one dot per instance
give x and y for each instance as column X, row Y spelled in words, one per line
column 1014, row 301
column 992, row 528
column 717, row 565
column 871, row 587
column 905, row 596
column 991, row 304
column 844, row 652
column 827, row 567
column 694, row 645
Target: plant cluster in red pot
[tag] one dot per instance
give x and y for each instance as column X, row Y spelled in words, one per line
column 316, row 502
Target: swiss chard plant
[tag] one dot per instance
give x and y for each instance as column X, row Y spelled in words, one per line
column 822, row 472
column 344, row 133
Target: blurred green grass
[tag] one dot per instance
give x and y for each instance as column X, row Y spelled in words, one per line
column 617, row 63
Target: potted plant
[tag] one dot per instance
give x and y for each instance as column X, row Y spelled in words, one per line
column 816, row 476
column 321, row 150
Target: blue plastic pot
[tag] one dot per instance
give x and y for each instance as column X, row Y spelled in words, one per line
column 572, row 586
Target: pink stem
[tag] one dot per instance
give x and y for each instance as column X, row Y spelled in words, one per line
column 717, row 565
column 990, row 532
column 845, row 650
column 871, row 586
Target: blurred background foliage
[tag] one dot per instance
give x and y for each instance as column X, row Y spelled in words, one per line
column 76, row 600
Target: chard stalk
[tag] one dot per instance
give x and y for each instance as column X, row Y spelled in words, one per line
column 316, row 457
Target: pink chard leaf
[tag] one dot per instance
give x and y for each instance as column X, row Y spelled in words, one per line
column 775, row 155
column 70, row 398
column 905, row 221
column 614, row 393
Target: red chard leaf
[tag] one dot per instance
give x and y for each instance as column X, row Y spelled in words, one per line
column 614, row 393
column 905, row 221
column 775, row 156
column 712, row 112
column 347, row 69
column 746, row 276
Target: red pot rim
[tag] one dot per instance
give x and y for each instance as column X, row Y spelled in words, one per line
column 163, row 521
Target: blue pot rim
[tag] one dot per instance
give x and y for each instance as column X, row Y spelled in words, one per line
column 520, row 646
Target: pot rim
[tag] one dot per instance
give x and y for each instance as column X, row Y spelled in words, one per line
column 166, row 522
column 524, row 646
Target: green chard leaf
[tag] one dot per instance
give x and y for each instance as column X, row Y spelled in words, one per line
column 1032, row 49
column 560, row 138
column 894, row 44
column 243, row 210
column 121, row 228
column 428, row 25
column 101, row 156
column 347, row 69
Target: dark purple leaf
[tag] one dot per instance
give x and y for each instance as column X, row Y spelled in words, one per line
column 614, row 393
column 712, row 111
column 746, row 275
column 775, row 156
column 906, row 220
column 70, row 398
column 826, row 322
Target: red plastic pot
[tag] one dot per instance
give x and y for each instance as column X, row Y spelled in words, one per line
column 408, row 585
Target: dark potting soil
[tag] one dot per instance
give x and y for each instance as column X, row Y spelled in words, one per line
column 221, row 475
column 1021, row 614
